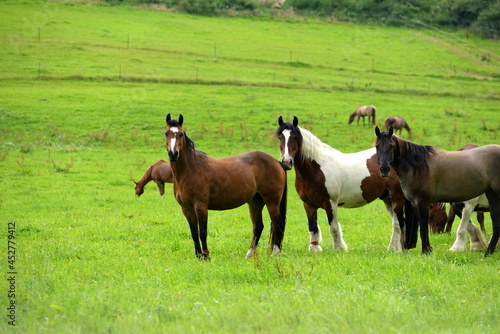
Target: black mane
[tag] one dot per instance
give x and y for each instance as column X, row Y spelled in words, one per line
column 415, row 155
column 289, row 126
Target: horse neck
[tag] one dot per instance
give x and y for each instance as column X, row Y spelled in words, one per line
column 146, row 177
column 188, row 162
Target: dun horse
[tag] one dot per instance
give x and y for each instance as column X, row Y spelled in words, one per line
column 363, row 111
column 160, row 172
column 429, row 174
column 398, row 123
column 203, row 183
column 327, row 179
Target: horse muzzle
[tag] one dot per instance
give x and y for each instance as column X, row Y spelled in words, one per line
column 287, row 164
column 385, row 170
column 173, row 155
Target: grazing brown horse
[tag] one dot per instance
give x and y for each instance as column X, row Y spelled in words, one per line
column 398, row 123
column 203, row 183
column 437, row 217
column 363, row 111
column 429, row 174
column 160, row 172
column 327, row 179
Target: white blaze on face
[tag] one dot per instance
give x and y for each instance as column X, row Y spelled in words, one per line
column 172, row 141
column 286, row 134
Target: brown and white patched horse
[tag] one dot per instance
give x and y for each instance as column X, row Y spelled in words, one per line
column 429, row 174
column 398, row 123
column 363, row 111
column 203, row 183
column 328, row 179
column 160, row 172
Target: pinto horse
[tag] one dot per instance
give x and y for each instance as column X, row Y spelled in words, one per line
column 429, row 174
column 363, row 111
column 160, row 172
column 398, row 123
column 203, row 183
column 327, row 178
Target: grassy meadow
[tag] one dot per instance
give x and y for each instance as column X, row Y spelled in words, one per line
column 84, row 90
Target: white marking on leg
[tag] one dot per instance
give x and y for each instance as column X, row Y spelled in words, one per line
column 336, row 230
column 315, row 239
column 396, row 243
column 250, row 252
column 276, row 250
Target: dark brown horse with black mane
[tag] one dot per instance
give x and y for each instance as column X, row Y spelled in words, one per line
column 361, row 112
column 429, row 174
column 327, row 179
column 160, row 172
column 398, row 123
column 203, row 183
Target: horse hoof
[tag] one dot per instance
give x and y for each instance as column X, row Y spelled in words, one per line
column 315, row 248
column 427, row 250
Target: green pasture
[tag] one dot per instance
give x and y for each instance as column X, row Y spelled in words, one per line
column 84, row 91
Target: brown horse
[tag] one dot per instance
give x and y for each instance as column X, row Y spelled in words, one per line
column 363, row 111
column 328, row 179
column 429, row 174
column 160, row 172
column 398, row 123
column 203, row 183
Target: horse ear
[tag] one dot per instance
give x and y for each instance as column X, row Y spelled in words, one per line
column 168, row 118
column 391, row 131
column 181, row 120
column 280, row 121
column 135, row 182
column 377, row 131
column 295, row 121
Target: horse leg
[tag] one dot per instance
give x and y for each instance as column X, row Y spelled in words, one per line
column 480, row 220
column 494, row 202
column 202, row 215
column 161, row 188
column 396, row 243
column 449, row 220
column 277, row 227
column 314, row 230
column 193, row 225
column 459, row 244
column 423, row 219
column 255, row 207
column 335, row 229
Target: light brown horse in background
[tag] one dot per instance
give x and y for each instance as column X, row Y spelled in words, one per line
column 363, row 111
column 160, row 172
column 203, row 183
column 398, row 123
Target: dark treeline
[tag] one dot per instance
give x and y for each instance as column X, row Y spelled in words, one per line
column 481, row 17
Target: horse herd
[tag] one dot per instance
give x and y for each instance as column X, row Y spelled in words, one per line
column 409, row 178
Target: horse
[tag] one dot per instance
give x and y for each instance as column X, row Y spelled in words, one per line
column 363, row 111
column 203, row 183
column 437, row 217
column 160, row 172
column 398, row 123
column 327, row 179
column 429, row 174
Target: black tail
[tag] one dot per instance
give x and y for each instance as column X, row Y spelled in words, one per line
column 411, row 228
column 283, row 205
column 373, row 116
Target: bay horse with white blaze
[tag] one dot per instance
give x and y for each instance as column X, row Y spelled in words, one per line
column 429, row 174
column 160, row 172
column 203, row 183
column 363, row 111
column 327, row 178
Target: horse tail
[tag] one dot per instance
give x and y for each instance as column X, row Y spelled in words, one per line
column 373, row 115
column 283, row 205
column 411, row 228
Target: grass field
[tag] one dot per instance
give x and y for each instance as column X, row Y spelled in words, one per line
column 84, row 90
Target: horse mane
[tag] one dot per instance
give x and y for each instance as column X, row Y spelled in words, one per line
column 415, row 155
column 312, row 147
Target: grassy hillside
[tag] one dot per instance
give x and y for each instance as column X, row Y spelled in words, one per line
column 84, row 90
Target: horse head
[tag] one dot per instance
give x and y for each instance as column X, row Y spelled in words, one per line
column 290, row 141
column 174, row 137
column 385, row 150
